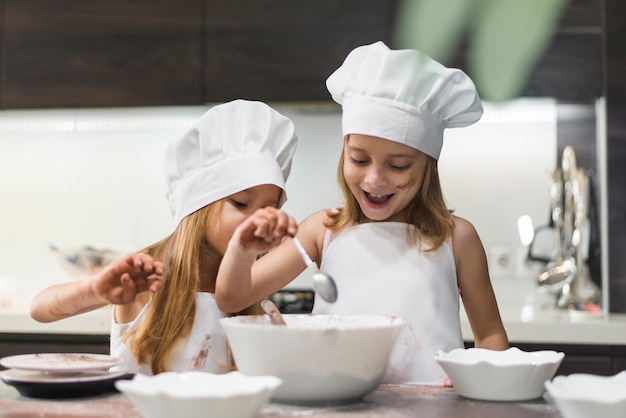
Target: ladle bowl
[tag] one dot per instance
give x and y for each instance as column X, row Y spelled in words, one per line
column 323, row 283
column 557, row 274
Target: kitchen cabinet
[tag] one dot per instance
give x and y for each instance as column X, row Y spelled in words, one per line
column 68, row 53
column 571, row 68
column 285, row 49
column 615, row 95
column 22, row 343
column 604, row 360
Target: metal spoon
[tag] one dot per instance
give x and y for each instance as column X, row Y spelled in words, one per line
column 272, row 311
column 323, row 283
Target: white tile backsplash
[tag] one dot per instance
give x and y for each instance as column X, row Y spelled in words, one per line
column 94, row 176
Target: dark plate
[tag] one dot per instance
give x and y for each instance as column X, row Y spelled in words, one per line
column 42, row 385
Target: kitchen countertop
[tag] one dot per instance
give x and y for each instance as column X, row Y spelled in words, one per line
column 15, row 318
column 524, row 323
column 389, row 401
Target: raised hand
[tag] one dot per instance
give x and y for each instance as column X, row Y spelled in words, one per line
column 263, row 230
column 121, row 281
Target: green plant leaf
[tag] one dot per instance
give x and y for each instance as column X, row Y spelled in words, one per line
column 434, row 27
column 507, row 40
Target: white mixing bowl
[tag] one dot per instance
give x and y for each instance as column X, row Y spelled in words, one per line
column 199, row 394
column 320, row 358
column 582, row 395
column 509, row 375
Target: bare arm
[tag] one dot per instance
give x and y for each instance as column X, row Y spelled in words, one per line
column 242, row 279
column 476, row 291
column 118, row 283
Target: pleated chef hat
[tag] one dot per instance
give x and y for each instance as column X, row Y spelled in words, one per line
column 403, row 96
column 232, row 147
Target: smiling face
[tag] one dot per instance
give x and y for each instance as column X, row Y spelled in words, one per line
column 384, row 176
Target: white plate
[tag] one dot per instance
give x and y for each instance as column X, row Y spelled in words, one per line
column 30, row 376
column 60, row 363
column 37, row 384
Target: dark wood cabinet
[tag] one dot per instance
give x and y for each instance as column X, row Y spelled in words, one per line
column 18, row 343
column 571, row 69
column 284, row 50
column 68, row 53
column 603, row 360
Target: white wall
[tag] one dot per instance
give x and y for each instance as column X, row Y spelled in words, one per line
column 77, row 177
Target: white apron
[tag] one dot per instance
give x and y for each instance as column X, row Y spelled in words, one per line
column 378, row 272
column 205, row 349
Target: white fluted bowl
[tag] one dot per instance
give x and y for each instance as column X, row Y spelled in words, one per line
column 322, row 359
column 199, row 394
column 509, row 375
column 582, row 395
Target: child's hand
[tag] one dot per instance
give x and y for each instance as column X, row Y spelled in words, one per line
column 121, row 281
column 264, row 230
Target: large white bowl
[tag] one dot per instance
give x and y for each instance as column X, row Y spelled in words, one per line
column 199, row 394
column 509, row 375
column 320, row 358
column 581, row 395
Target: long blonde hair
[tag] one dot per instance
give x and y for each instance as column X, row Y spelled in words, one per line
column 171, row 311
column 427, row 211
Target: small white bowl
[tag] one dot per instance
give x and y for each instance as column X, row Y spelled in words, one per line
column 199, row 394
column 322, row 359
column 509, row 375
column 582, row 395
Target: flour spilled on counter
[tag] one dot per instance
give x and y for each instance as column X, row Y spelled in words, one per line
column 112, row 407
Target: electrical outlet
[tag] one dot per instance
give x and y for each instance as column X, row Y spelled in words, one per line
column 501, row 261
column 525, row 268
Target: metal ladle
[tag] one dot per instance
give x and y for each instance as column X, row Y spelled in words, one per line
column 323, row 283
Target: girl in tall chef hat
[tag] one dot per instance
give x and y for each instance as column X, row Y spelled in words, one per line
column 233, row 161
column 393, row 248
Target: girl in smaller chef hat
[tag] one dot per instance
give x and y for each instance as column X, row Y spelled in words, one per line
column 393, row 248
column 233, row 161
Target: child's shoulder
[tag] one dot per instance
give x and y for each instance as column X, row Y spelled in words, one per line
column 321, row 217
column 463, row 231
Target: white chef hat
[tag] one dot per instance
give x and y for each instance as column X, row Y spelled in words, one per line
column 403, row 96
column 232, row 147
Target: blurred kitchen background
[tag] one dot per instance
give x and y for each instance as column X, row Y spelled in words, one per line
column 94, row 177
column 91, row 93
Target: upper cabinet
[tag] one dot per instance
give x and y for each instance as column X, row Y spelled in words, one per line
column 91, row 53
column 572, row 67
column 69, row 53
column 284, row 50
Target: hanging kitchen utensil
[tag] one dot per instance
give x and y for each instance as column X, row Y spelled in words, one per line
column 560, row 270
column 582, row 289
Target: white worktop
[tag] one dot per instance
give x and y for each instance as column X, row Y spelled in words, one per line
column 530, row 324
column 15, row 318
column 525, row 323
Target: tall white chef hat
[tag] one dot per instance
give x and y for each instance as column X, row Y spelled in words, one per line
column 232, row 147
column 403, row 96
